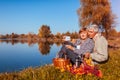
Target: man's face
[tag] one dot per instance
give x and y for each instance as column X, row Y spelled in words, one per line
column 91, row 33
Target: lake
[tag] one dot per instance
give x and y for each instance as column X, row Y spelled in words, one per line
column 18, row 56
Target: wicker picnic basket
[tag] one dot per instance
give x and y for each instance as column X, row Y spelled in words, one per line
column 61, row 62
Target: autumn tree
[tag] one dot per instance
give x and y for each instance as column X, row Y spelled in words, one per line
column 44, row 31
column 12, row 35
column 113, row 33
column 74, row 35
column 67, row 33
column 119, row 34
column 7, row 36
column 58, row 35
column 30, row 35
column 96, row 12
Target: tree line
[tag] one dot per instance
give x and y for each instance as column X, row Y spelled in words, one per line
column 45, row 33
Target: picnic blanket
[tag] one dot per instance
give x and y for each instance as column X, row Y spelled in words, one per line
column 86, row 68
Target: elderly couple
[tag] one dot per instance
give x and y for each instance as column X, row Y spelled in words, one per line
column 90, row 44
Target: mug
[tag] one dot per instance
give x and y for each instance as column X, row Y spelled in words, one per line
column 78, row 46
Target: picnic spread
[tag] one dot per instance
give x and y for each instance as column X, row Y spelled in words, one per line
column 87, row 67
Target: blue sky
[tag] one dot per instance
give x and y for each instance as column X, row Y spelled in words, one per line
column 23, row 16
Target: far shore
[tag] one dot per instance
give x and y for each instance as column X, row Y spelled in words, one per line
column 112, row 43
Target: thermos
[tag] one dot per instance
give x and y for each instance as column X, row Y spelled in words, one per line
column 77, row 62
column 65, row 56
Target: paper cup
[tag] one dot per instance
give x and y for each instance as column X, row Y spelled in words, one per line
column 78, row 46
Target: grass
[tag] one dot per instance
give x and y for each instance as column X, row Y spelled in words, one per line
column 111, row 71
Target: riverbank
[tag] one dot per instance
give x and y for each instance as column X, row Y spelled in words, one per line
column 48, row 72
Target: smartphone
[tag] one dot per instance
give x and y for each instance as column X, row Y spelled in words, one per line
column 67, row 38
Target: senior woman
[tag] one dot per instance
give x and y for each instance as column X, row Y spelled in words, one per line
column 82, row 46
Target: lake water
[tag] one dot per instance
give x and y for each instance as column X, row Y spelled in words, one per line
column 15, row 57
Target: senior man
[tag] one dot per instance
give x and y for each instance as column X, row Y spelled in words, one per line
column 100, row 52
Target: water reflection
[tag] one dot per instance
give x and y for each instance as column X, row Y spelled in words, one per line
column 43, row 46
column 58, row 43
column 16, row 55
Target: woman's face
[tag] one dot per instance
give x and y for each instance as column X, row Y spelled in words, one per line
column 83, row 35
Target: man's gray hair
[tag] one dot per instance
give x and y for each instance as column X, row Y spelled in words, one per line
column 94, row 27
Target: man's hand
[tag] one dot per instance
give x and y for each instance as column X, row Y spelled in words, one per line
column 87, row 55
column 70, row 47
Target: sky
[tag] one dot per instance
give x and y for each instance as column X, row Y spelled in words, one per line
column 24, row 16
